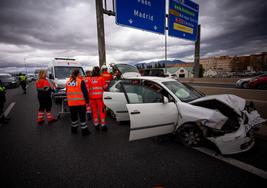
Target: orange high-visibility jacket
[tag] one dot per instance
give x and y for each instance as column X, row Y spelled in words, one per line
column 107, row 76
column 42, row 85
column 86, row 80
column 74, row 92
column 96, row 87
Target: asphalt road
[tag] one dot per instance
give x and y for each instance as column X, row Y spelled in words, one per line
column 50, row 156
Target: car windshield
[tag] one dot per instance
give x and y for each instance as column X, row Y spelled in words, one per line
column 183, row 92
column 123, row 68
column 65, row 72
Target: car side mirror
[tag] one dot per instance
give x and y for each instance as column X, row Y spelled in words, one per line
column 51, row 76
column 165, row 100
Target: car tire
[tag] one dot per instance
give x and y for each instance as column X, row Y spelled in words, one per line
column 244, row 85
column 190, row 135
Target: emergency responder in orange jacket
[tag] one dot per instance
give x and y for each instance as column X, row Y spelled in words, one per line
column 106, row 75
column 88, row 106
column 44, row 97
column 96, row 87
column 77, row 98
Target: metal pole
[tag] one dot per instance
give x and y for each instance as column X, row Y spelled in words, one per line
column 197, row 53
column 100, row 32
column 25, row 65
column 165, row 51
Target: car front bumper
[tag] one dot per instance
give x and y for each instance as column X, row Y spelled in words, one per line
column 237, row 142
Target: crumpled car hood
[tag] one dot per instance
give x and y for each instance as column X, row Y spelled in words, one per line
column 236, row 103
column 210, row 118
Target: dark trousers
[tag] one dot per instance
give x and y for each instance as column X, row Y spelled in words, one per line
column 23, row 85
column 1, row 108
column 45, row 104
column 76, row 111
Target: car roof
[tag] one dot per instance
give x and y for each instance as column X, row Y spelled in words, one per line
column 153, row 78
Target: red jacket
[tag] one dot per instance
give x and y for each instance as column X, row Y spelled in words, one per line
column 96, row 86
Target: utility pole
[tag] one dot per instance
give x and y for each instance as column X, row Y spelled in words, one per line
column 25, row 65
column 197, row 53
column 100, row 32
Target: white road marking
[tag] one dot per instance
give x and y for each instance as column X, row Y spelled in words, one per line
column 239, row 164
column 9, row 108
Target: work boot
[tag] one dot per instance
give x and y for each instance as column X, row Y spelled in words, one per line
column 74, row 130
column 40, row 118
column 85, row 132
column 50, row 117
column 104, row 128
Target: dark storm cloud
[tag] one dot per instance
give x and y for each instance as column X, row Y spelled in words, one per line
column 243, row 23
column 49, row 27
column 35, row 23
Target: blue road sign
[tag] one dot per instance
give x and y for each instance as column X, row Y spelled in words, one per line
column 146, row 15
column 183, row 19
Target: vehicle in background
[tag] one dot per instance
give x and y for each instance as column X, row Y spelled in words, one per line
column 159, row 72
column 30, row 77
column 259, row 82
column 124, row 71
column 59, row 71
column 159, row 106
column 244, row 82
column 8, row 80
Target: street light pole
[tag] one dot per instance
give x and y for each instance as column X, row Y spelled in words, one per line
column 25, row 65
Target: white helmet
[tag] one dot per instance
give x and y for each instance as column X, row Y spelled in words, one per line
column 104, row 67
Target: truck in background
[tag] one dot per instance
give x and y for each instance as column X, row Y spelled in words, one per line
column 59, row 71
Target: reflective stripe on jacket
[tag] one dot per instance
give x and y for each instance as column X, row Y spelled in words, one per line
column 74, row 93
column 96, row 86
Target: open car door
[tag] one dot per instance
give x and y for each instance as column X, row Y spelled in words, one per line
column 117, row 103
column 151, row 114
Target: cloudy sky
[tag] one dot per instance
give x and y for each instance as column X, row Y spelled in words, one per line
column 35, row 31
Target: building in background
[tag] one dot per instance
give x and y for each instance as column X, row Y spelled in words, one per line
column 224, row 65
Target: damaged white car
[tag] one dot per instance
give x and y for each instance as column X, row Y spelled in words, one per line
column 157, row 106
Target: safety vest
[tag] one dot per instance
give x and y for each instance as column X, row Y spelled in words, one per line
column 107, row 76
column 74, row 93
column 42, row 85
column 22, row 78
column 2, row 89
column 95, row 86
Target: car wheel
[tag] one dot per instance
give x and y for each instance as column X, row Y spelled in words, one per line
column 245, row 85
column 190, row 135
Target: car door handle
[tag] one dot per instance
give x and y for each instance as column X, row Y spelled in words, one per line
column 107, row 98
column 135, row 112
